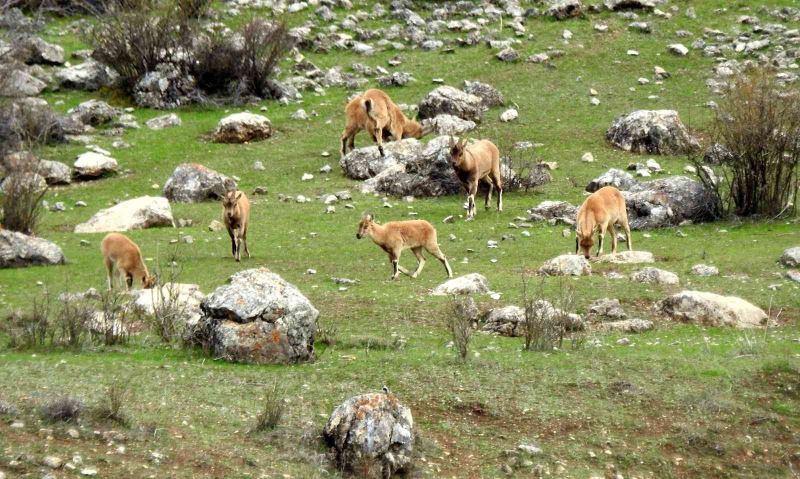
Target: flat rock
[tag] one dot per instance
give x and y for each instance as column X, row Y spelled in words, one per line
column 554, row 212
column 242, row 127
column 449, row 125
column 655, row 275
column 193, row 182
column 791, row 257
column 711, row 309
column 607, row 308
column 92, row 165
column 164, row 121
column 20, row 83
column 566, row 265
column 133, row 214
column 89, row 76
column 704, row 270
column 19, row 250
column 466, row 284
column 179, row 298
column 625, row 326
column 626, row 257
column 371, row 429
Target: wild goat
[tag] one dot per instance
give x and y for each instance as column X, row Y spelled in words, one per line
column 479, row 161
column 396, row 236
column 236, row 216
column 123, row 254
column 375, row 112
column 601, row 210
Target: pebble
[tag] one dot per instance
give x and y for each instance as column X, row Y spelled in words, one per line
column 448, row 219
column 587, row 157
column 258, row 166
column 326, row 169
column 311, row 271
column 52, row 462
column 307, row 176
column 624, row 341
column 89, row 471
column 80, row 203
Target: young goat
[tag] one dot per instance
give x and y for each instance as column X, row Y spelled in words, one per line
column 236, row 216
column 375, row 112
column 474, row 163
column 601, row 210
column 396, row 236
column 120, row 252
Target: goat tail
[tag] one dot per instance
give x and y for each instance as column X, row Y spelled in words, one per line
column 368, row 105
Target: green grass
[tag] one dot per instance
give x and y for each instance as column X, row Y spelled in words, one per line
column 701, row 402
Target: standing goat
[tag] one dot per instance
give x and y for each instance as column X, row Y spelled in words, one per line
column 123, row 254
column 474, row 163
column 396, row 236
column 600, row 211
column 375, row 112
column 236, row 216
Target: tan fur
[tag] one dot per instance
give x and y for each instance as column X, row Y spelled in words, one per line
column 474, row 163
column 123, row 254
column 601, row 210
column 375, row 112
column 236, row 216
column 396, row 236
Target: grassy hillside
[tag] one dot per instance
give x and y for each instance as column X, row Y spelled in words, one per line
column 679, row 401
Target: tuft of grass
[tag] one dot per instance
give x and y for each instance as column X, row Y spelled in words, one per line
column 62, row 409
column 112, row 404
column 459, row 321
column 272, row 409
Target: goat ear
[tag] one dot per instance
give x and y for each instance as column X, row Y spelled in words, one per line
column 239, row 195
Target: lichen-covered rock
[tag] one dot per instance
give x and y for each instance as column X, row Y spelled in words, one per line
column 176, row 298
column 372, row 430
column 91, row 165
column 489, row 95
column 193, row 182
column 711, row 309
column 257, row 318
column 449, row 125
column 655, row 275
column 452, row 101
column 626, row 257
column 564, row 9
column 89, row 76
column 607, row 308
column 634, row 325
column 34, row 50
column 619, row 179
column 364, row 163
column 243, row 127
column 55, row 172
column 165, row 88
column 554, row 212
column 19, row 250
column 164, row 121
column 705, row 270
column 473, row 283
column 510, row 320
column 658, row 132
column 566, row 265
column 137, row 213
column 94, row 112
column 791, row 257
column 20, row 83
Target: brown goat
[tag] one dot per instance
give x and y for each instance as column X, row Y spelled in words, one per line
column 123, row 254
column 601, row 210
column 375, row 112
column 396, row 236
column 479, row 161
column 236, row 216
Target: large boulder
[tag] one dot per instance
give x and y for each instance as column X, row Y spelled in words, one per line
column 449, row 125
column 621, row 180
column 791, row 257
column 55, row 172
column 607, row 308
column 242, row 127
column 257, row 318
column 466, row 284
column 364, row 163
column 566, row 265
column 165, row 88
column 134, row 214
column 506, row 321
column 564, row 9
column 371, row 432
column 488, row 94
column 20, row 83
column 452, row 101
column 711, row 309
column 91, row 165
column 182, row 300
column 626, row 257
column 89, row 76
column 554, row 212
column 631, row 4
column 34, row 50
column 658, row 132
column 94, row 112
column 655, row 275
column 19, row 250
column 193, row 182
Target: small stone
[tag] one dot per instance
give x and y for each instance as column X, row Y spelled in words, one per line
column 307, row 176
column 623, row 341
column 594, row 101
column 530, row 449
column 260, row 190
column 678, row 49
column 509, row 115
column 52, row 462
column 187, row 239
column 73, row 433
column 325, row 169
column 89, row 471
column 258, row 166
column 80, row 203
column 633, row 53
column 587, row 158
column 448, row 219
column 300, row 114
column 311, row 271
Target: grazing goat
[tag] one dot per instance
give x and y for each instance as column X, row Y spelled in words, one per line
column 474, row 163
column 120, row 252
column 236, row 216
column 375, row 112
column 601, row 210
column 396, row 236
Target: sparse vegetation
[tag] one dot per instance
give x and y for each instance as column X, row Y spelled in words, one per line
column 546, row 318
column 272, row 409
column 459, row 321
column 74, row 320
column 112, row 405
column 62, row 409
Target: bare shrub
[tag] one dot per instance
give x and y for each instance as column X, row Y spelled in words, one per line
column 547, row 318
column 272, row 409
column 758, row 121
column 26, row 123
column 189, row 10
column 28, row 329
column 23, row 190
column 73, row 321
column 169, row 312
column 111, row 323
column 111, row 406
column 459, row 321
column 528, row 174
column 61, row 409
column 327, row 334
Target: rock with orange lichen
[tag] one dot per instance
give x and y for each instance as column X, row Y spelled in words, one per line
column 371, row 431
column 257, row 318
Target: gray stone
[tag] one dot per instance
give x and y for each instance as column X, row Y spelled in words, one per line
column 566, row 265
column 488, row 94
column 34, row 50
column 165, row 88
column 659, row 132
column 678, row 49
column 19, row 250
column 193, row 182
column 163, row 121
column 791, row 257
column 625, row 326
column 607, row 308
column 89, row 76
column 373, row 429
column 180, row 299
column 92, row 165
column 506, row 321
column 711, row 309
column 242, row 127
column 94, row 112
column 136, row 213
column 395, row 79
column 257, row 318
column 55, row 172
column 449, row 125
column 564, row 9
column 655, row 275
column 626, row 257
column 473, row 283
column 509, row 115
column 20, row 83
column 705, row 270
column 507, row 55
column 554, row 212
column 452, row 101
column 619, row 179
